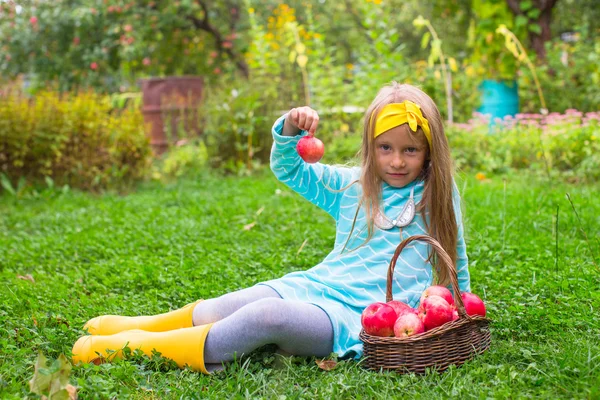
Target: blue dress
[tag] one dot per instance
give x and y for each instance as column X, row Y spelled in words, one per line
column 344, row 283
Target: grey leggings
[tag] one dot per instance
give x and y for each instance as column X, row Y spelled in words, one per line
column 250, row 318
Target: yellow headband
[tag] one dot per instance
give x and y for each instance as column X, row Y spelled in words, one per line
column 396, row 114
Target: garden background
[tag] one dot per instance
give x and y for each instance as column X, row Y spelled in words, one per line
column 96, row 218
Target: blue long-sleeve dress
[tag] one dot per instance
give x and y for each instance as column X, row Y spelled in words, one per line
column 344, row 283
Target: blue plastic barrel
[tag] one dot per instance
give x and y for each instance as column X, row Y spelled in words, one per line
column 499, row 99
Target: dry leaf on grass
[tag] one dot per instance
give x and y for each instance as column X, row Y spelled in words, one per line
column 326, row 365
column 27, row 277
column 71, row 392
column 249, row 226
column 53, row 379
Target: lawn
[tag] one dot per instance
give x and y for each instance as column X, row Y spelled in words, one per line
column 164, row 246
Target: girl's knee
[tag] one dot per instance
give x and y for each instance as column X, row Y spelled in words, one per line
column 221, row 307
column 267, row 314
column 206, row 312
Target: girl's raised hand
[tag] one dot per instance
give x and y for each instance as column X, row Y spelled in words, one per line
column 303, row 118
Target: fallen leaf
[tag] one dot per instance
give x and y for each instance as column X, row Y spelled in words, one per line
column 260, row 210
column 27, row 277
column 97, row 361
column 72, row 390
column 52, row 380
column 326, row 365
column 40, row 382
column 71, row 393
column 249, row 226
column 61, row 320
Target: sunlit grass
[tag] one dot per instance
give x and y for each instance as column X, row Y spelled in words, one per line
column 162, row 247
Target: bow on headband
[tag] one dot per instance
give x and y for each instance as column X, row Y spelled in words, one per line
column 396, row 114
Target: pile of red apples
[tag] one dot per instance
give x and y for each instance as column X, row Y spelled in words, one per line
column 436, row 308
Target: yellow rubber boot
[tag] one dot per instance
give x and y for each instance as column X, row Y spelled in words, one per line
column 185, row 346
column 111, row 324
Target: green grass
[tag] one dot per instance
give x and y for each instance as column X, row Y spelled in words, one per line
column 164, row 246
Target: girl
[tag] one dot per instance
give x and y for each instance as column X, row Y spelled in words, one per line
column 404, row 187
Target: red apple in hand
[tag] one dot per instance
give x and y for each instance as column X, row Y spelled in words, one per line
column 401, row 308
column 438, row 290
column 310, row 148
column 473, row 304
column 435, row 311
column 407, row 325
column 378, row 319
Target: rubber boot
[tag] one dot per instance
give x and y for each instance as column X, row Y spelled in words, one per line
column 111, row 324
column 185, row 346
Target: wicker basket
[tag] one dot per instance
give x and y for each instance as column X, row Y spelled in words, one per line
column 452, row 343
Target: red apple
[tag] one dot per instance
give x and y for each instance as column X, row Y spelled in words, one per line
column 473, row 304
column 455, row 315
column 401, row 308
column 435, row 311
column 407, row 325
column 310, row 149
column 438, row 290
column 378, row 319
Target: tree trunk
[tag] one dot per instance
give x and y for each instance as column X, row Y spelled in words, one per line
column 537, row 41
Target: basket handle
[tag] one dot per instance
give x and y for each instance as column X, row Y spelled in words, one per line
column 445, row 260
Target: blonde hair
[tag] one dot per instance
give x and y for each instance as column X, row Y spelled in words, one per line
column 437, row 172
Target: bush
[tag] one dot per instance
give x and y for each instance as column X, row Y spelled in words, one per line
column 565, row 144
column 74, row 139
column 569, row 78
column 237, row 123
column 187, row 157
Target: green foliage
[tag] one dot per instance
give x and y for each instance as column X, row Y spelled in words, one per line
column 570, row 78
column 108, row 45
column 74, row 139
column 565, row 146
column 164, row 246
column 466, row 96
column 342, row 134
column 237, row 124
column 489, row 57
column 185, row 158
column 562, row 145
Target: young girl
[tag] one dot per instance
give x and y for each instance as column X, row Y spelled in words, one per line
column 403, row 188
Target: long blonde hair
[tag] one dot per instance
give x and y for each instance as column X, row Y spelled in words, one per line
column 437, row 172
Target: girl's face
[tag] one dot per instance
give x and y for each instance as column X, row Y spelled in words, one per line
column 399, row 156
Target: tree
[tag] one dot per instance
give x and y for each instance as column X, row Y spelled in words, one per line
column 106, row 43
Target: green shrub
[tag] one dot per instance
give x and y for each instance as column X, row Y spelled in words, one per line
column 570, row 77
column 558, row 144
column 566, row 145
column 237, row 123
column 185, row 158
column 75, row 139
